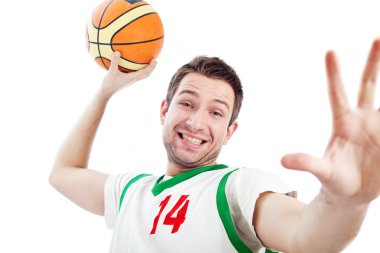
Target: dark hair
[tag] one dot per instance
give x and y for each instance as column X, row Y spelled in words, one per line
column 211, row 67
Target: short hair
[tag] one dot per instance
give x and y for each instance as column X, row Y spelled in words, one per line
column 211, row 67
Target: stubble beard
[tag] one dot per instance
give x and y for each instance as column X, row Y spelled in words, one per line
column 209, row 158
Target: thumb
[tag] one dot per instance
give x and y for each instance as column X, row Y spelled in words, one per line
column 305, row 162
column 115, row 61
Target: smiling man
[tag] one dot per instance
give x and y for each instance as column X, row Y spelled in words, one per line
column 197, row 113
column 200, row 205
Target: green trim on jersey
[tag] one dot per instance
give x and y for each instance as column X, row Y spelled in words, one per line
column 159, row 187
column 225, row 216
column 133, row 180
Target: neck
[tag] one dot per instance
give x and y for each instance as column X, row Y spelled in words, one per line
column 174, row 169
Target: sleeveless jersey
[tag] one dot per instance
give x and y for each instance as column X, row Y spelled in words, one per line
column 187, row 213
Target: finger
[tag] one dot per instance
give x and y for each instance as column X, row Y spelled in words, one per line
column 368, row 84
column 141, row 73
column 337, row 95
column 304, row 162
column 146, row 71
column 115, row 61
column 149, row 68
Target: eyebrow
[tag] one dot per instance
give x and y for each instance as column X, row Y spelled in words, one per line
column 193, row 93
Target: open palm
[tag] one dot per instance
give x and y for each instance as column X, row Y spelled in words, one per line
column 350, row 169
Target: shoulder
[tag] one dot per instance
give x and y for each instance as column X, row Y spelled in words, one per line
column 243, row 188
column 255, row 177
column 115, row 188
column 251, row 182
column 119, row 181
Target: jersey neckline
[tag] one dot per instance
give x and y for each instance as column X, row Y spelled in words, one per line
column 161, row 186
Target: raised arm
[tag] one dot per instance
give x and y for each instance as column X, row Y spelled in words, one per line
column 349, row 174
column 70, row 175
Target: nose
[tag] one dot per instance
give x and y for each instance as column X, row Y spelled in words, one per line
column 197, row 121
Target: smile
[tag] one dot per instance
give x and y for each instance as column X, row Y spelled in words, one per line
column 191, row 139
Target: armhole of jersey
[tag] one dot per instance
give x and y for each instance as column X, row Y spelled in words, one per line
column 133, row 180
column 225, row 216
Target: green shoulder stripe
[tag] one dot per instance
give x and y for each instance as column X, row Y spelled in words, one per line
column 161, row 186
column 133, row 180
column 225, row 216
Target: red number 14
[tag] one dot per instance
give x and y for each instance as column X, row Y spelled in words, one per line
column 176, row 221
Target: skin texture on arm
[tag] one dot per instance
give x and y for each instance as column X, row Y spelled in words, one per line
column 287, row 225
column 70, row 175
column 349, row 174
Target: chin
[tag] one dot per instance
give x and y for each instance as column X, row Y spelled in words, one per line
column 191, row 162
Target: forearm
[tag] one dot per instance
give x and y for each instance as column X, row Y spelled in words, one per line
column 325, row 227
column 70, row 175
column 76, row 149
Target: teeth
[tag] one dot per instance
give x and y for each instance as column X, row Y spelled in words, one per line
column 192, row 140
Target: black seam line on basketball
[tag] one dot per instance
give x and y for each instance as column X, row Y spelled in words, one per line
column 118, row 16
column 118, row 66
column 98, row 36
column 124, row 14
column 135, row 62
column 126, row 59
column 126, row 43
column 129, row 24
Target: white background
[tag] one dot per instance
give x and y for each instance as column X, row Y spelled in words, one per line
column 47, row 79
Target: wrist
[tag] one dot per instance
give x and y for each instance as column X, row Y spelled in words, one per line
column 104, row 95
column 346, row 204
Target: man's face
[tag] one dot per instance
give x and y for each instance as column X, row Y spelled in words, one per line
column 195, row 125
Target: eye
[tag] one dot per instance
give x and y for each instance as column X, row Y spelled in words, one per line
column 218, row 114
column 185, row 104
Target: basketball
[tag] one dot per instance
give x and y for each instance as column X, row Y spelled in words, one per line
column 131, row 27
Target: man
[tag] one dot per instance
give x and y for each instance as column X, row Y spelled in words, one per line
column 202, row 206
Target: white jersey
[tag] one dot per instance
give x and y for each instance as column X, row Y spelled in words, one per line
column 209, row 209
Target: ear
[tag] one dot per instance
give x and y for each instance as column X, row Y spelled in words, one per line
column 163, row 111
column 230, row 131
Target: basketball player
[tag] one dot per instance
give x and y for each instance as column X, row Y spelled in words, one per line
column 200, row 205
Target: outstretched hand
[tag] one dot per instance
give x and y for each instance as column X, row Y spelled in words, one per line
column 350, row 169
column 116, row 80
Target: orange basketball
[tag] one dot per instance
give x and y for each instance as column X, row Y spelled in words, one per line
column 131, row 27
